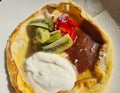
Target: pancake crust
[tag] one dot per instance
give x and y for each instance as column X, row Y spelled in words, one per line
column 18, row 49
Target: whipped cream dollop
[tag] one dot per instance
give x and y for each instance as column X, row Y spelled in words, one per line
column 49, row 73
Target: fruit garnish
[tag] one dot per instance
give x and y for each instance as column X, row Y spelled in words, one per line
column 63, row 27
column 66, row 24
column 55, row 35
column 63, row 18
column 71, row 22
column 60, row 45
column 41, row 36
column 45, row 23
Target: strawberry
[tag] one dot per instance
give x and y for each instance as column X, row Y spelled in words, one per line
column 71, row 22
column 70, row 30
column 66, row 25
column 73, row 36
column 63, row 27
column 63, row 18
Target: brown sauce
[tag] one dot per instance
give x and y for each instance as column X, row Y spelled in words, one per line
column 83, row 53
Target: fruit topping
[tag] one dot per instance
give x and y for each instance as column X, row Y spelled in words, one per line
column 41, row 36
column 54, row 36
column 66, row 24
column 60, row 45
column 43, row 23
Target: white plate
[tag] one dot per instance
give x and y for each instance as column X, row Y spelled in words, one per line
column 12, row 12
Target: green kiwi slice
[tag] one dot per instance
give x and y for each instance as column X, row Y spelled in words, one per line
column 60, row 45
column 43, row 23
column 41, row 36
column 54, row 36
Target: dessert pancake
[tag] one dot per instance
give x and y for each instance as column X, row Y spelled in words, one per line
column 77, row 39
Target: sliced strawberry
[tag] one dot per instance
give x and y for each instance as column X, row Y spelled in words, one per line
column 66, row 25
column 63, row 27
column 72, row 22
column 63, row 18
column 70, row 30
column 73, row 36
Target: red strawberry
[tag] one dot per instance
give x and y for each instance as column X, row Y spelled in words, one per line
column 73, row 36
column 70, row 30
column 66, row 25
column 63, row 27
column 63, row 18
column 72, row 22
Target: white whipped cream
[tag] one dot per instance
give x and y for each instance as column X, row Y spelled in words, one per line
column 49, row 73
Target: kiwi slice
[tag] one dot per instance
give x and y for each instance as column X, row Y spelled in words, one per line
column 54, row 36
column 60, row 45
column 41, row 36
column 43, row 23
